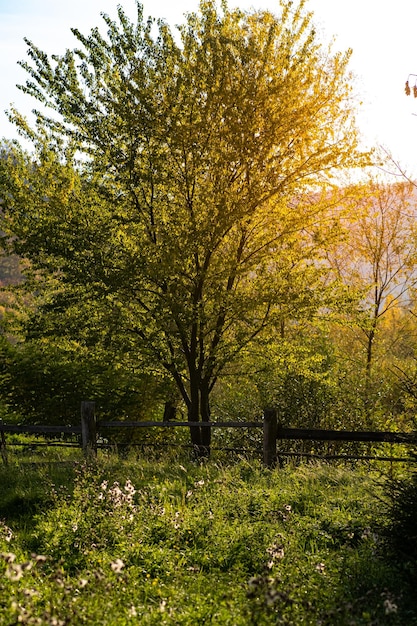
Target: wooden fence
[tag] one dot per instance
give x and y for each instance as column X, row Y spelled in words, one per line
column 89, row 429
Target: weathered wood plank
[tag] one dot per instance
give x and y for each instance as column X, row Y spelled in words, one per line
column 38, row 429
column 308, row 434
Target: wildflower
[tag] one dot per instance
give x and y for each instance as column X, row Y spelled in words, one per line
column 29, row 593
column 320, row 567
column 162, row 605
column 14, row 572
column 27, row 565
column 284, row 513
column 271, row 596
column 83, row 582
column 189, row 494
column 116, row 495
column 368, row 535
column 275, row 552
column 8, row 534
column 38, row 558
column 9, row 557
column 133, row 612
column 390, row 606
column 129, row 487
column 253, row 583
column 200, row 483
column 117, row 566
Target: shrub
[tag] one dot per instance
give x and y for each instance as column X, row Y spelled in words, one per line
column 400, row 532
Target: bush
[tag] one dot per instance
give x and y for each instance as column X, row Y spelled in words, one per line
column 44, row 382
column 400, row 532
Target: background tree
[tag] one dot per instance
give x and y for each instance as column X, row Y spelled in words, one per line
column 378, row 254
column 185, row 214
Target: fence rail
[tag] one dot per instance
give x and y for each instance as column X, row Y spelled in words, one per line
column 36, row 429
column 89, row 429
column 308, row 434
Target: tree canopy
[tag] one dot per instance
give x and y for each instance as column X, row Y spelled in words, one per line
column 178, row 192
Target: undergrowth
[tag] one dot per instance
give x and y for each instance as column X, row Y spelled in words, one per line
column 162, row 542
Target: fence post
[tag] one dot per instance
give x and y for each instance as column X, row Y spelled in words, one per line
column 270, row 437
column 3, row 446
column 88, row 428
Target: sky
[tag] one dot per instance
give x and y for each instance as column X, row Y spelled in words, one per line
column 381, row 33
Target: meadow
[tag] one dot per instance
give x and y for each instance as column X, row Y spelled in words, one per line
column 169, row 541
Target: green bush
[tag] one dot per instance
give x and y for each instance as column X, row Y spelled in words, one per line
column 400, row 531
column 45, row 382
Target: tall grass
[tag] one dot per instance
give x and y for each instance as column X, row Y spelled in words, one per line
column 172, row 542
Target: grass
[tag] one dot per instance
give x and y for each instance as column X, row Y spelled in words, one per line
column 172, row 542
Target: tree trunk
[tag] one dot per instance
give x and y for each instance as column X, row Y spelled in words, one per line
column 170, row 411
column 205, row 417
column 195, row 431
column 369, row 352
column 199, row 411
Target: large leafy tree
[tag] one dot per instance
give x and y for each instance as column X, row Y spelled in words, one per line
column 185, row 223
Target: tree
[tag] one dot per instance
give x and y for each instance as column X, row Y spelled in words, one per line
column 186, row 213
column 378, row 254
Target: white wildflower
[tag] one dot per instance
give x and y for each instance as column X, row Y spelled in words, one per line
column 390, row 606
column 14, row 572
column 117, row 566
column 9, row 557
column 39, row 558
column 162, row 605
column 253, row 583
column 276, row 552
column 129, row 487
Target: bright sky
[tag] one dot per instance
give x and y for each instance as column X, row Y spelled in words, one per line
column 382, row 34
